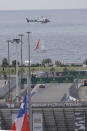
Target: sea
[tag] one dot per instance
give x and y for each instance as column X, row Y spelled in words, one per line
column 64, row 38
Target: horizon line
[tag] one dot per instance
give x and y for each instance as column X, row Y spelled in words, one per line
column 44, row 9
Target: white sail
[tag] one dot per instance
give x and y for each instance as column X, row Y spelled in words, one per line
column 42, row 46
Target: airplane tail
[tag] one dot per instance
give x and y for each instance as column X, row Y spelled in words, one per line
column 27, row 20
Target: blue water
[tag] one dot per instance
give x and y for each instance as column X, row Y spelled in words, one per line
column 64, row 38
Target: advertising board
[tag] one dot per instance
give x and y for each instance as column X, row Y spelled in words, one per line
column 37, row 122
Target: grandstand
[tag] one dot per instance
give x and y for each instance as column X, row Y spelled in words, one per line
column 55, row 116
column 66, row 118
column 49, row 111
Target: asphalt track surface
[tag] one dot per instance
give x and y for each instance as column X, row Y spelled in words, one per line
column 53, row 92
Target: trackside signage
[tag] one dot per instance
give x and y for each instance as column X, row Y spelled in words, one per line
column 37, row 122
column 66, row 104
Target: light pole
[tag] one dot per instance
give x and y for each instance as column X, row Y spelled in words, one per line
column 29, row 85
column 21, row 35
column 8, row 41
column 17, row 87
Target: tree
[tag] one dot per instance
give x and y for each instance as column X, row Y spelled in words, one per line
column 47, row 62
column 85, row 62
column 4, row 62
column 58, row 63
column 37, row 64
column 14, row 63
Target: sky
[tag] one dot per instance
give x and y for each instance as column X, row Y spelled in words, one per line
column 42, row 4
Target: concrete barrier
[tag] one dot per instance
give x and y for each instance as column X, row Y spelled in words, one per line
column 5, row 89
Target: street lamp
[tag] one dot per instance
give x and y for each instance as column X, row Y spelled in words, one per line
column 17, row 41
column 29, row 85
column 9, row 41
column 21, row 35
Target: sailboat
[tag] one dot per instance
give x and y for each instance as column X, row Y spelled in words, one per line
column 40, row 47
